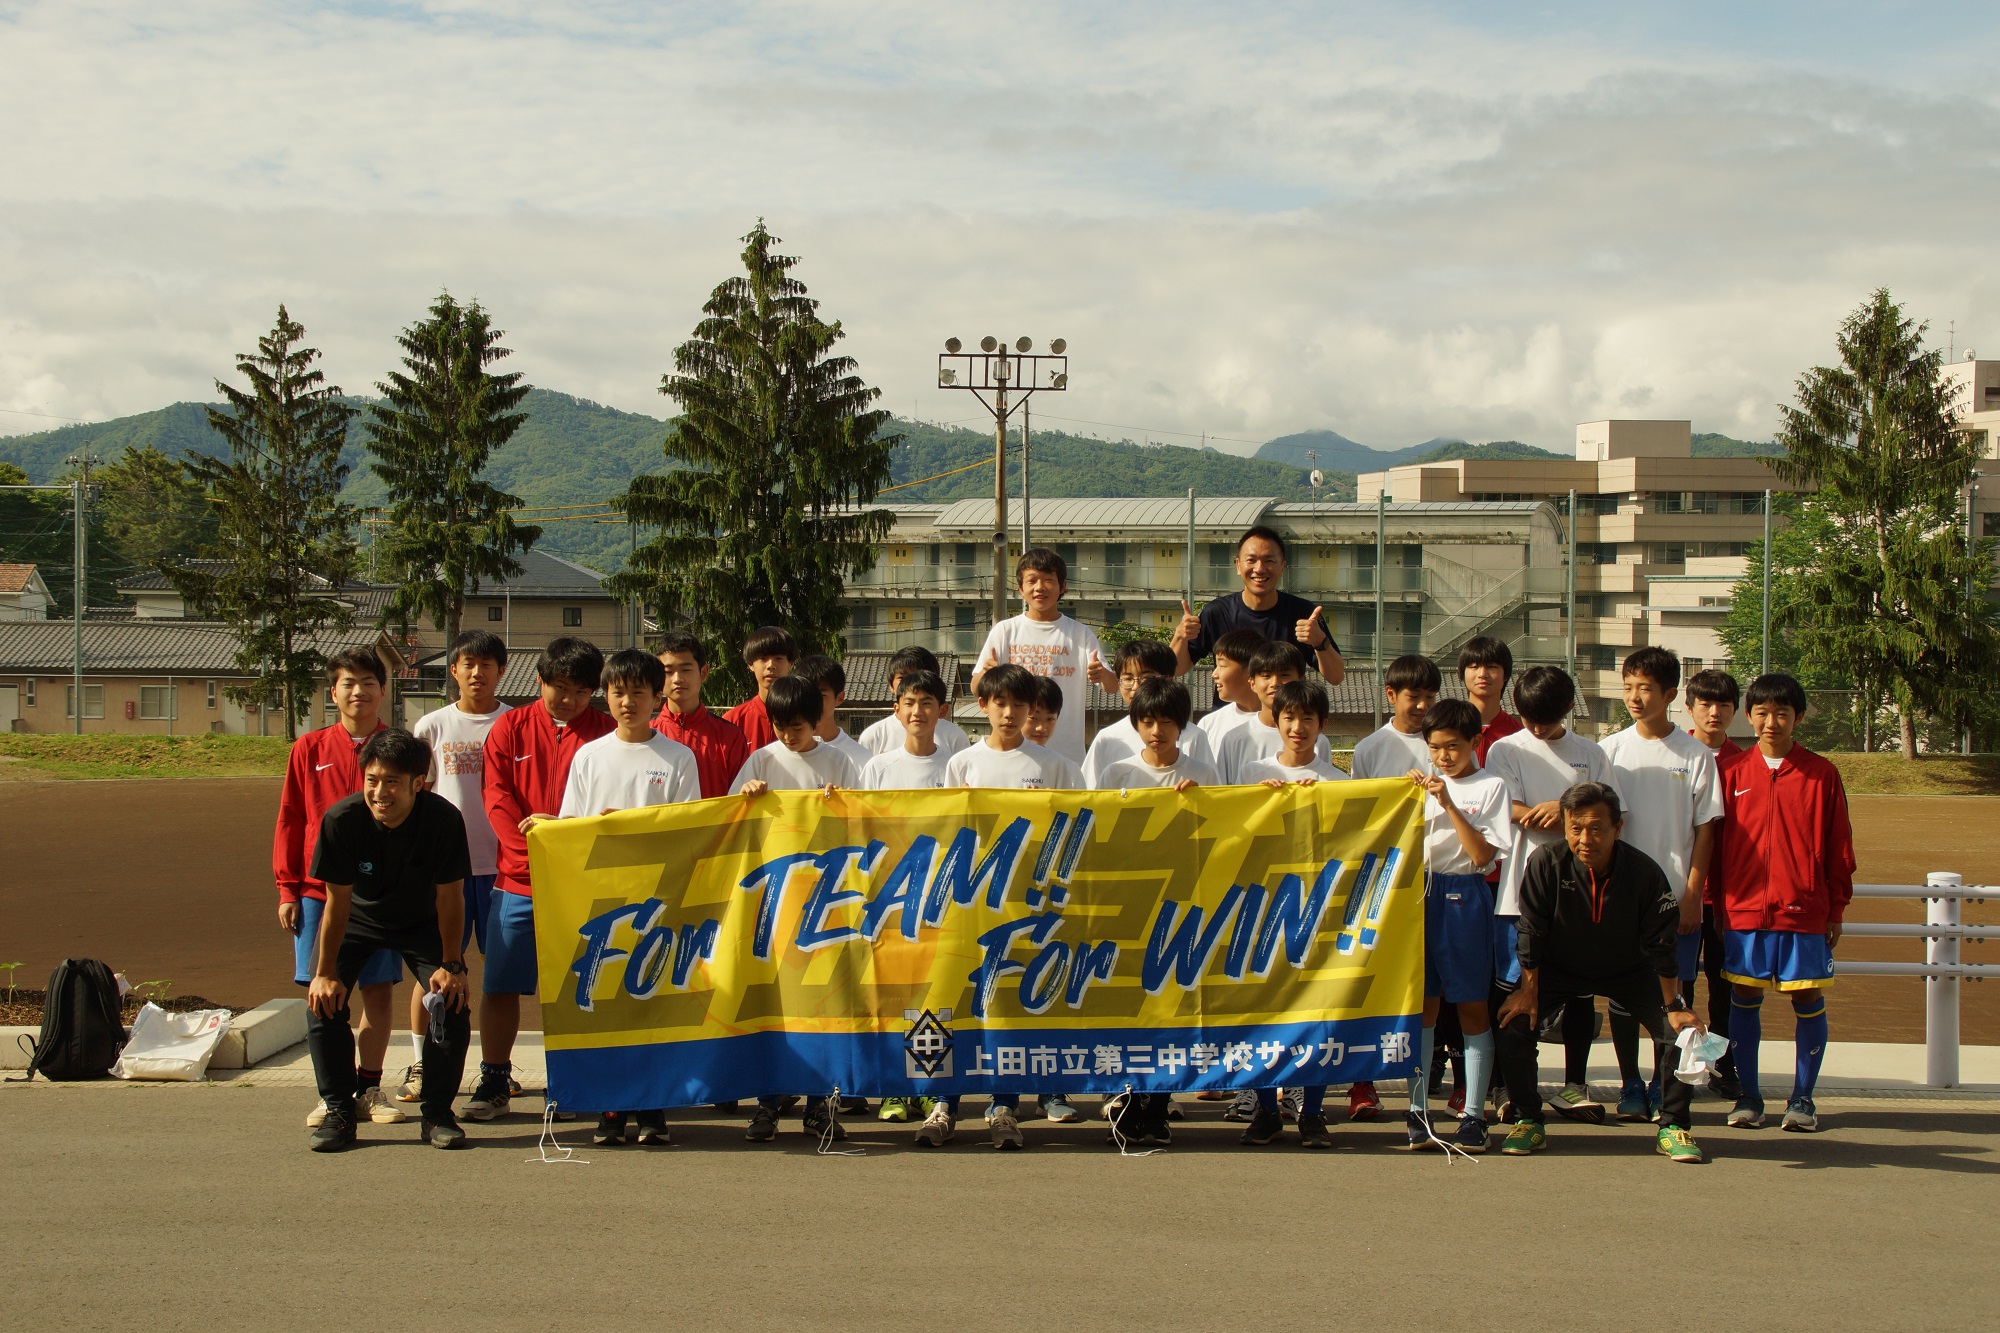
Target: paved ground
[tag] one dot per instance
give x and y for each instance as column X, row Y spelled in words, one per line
column 205, row 1211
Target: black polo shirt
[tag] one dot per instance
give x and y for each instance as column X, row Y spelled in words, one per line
column 394, row 871
column 1280, row 624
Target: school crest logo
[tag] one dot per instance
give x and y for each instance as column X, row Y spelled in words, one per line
column 927, row 1044
column 367, row 867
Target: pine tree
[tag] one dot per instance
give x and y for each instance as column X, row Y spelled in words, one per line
column 284, row 540
column 153, row 513
column 764, row 521
column 432, row 439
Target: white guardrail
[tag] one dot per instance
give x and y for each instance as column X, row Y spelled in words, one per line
column 1944, row 895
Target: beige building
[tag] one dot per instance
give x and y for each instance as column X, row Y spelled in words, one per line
column 1975, row 397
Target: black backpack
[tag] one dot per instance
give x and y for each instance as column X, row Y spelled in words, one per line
column 81, row 1031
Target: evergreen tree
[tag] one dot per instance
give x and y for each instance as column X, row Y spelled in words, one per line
column 284, row 540
column 763, row 522
column 39, row 528
column 1894, row 595
column 153, row 513
column 431, row 438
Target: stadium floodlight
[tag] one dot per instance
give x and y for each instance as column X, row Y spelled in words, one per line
column 1024, row 344
column 952, row 345
column 988, row 343
column 1059, row 346
column 947, row 377
column 1061, row 381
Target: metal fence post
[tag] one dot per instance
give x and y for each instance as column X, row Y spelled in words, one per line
column 1941, row 993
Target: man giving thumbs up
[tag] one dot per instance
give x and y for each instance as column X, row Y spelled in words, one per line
column 1260, row 606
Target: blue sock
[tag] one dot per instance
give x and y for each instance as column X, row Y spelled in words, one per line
column 1746, row 1029
column 1314, row 1102
column 1809, row 1040
column 1420, row 1077
column 1267, row 1099
column 1478, row 1071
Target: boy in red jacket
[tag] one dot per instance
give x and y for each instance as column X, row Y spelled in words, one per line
column 769, row 653
column 528, row 753
column 719, row 747
column 1783, row 876
column 322, row 770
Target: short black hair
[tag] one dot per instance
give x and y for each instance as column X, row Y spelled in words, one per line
column 1268, row 534
column 1161, row 697
column 1413, row 671
column 680, row 641
column 635, row 666
column 1151, row 654
column 1239, row 645
column 1454, row 715
column 359, row 661
column 1776, row 688
column 396, row 750
column 477, row 643
column 793, row 700
column 770, row 641
column 1048, row 694
column 1544, row 695
column 915, row 680
column 1303, row 696
column 1275, row 656
column 1584, row 795
column 1043, row 561
column 1485, row 650
column 913, row 658
column 570, row 658
column 1714, row 686
column 822, row 670
column 1009, row 680
column 1655, row 664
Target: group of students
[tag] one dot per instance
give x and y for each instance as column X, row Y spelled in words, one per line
column 1557, row 870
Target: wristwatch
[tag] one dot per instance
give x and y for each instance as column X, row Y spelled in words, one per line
column 1680, row 1007
column 456, row 969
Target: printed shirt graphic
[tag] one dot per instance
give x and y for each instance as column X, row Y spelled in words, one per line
column 458, row 770
column 1668, row 786
column 788, row 770
column 887, row 736
column 1028, row 767
column 1135, row 772
column 899, row 770
column 1253, row 741
column 1389, row 753
column 1536, row 771
column 1061, row 649
column 1482, row 799
column 611, row 774
column 1120, row 741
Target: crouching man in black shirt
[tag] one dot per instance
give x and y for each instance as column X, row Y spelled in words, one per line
column 1597, row 918
column 392, row 857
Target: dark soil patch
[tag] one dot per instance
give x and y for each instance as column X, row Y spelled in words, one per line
column 23, row 1008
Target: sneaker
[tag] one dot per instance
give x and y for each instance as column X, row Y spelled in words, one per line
column 1653, row 1101
column 1418, row 1125
column 1174, row 1111
column 1059, row 1111
column 723, row 1108
column 1127, row 1116
column 489, row 1098
column 513, row 1086
column 1676, row 1145
column 653, row 1131
column 1471, row 1135
column 1527, row 1136
column 938, row 1127
column 1155, row 1132
column 1362, row 1103
column 822, row 1119
column 1312, row 1132
column 442, row 1133
column 1215, row 1095
column 763, row 1125
column 610, row 1130
column 1573, row 1103
column 335, row 1131
column 317, row 1116
column 895, row 1110
column 1265, row 1126
column 1030, row 1109
column 1633, row 1104
column 1726, row 1086
column 854, row 1106
column 1749, row 1114
column 1290, row 1100
column 1801, row 1117
column 411, row 1089
column 1243, row 1108
column 1006, row 1131
column 378, row 1108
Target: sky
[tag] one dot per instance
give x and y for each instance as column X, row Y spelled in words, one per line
column 1396, row 221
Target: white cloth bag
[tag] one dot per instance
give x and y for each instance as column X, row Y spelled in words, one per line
column 174, row 1047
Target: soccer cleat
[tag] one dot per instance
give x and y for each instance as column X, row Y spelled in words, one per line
column 854, row 1106
column 317, row 1116
column 1418, row 1126
column 442, row 1134
column 1471, row 1136
column 1312, row 1132
column 1527, row 1136
column 938, row 1127
column 1265, row 1126
column 1059, row 1110
column 411, row 1089
column 610, row 1130
column 335, row 1131
column 1290, row 1100
column 489, row 1098
column 895, row 1110
column 1749, row 1114
column 1243, row 1108
column 1573, row 1103
column 1633, row 1104
column 1801, row 1117
column 763, row 1125
column 1362, row 1103
column 378, row 1108
column 653, row 1131
column 1006, row 1132
column 822, row 1119
column 1676, row 1145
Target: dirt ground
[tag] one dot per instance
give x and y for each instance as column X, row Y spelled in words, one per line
column 170, row 881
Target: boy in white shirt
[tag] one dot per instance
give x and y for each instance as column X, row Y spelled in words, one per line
column 1158, row 713
column 1273, row 666
column 886, row 736
column 625, row 769
column 1712, row 698
column 1465, row 831
column 1045, row 712
column 831, row 679
column 1539, row 763
column 1048, row 643
column 1673, row 807
column 1136, row 661
column 1235, row 702
column 920, row 762
column 456, row 734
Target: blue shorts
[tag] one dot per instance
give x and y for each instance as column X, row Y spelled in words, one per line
column 510, row 945
column 1787, row 959
column 1687, row 955
column 1507, row 951
column 386, row 967
column 478, row 890
column 1458, row 938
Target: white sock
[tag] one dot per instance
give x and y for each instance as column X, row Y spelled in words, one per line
column 417, row 1045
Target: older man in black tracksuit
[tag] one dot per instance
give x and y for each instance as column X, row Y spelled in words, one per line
column 1598, row 917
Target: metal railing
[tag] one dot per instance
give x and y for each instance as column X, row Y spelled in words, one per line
column 1944, row 895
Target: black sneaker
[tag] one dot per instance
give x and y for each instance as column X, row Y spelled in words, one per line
column 1154, row 1130
column 334, row 1133
column 610, row 1129
column 822, row 1120
column 442, row 1133
column 724, row 1108
column 1726, row 1086
column 763, row 1125
column 653, row 1130
column 854, row 1106
column 1128, row 1121
column 1265, row 1126
column 1312, row 1132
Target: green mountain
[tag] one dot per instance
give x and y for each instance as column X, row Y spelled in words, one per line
column 1334, row 452
column 1497, row 451
column 1710, row 445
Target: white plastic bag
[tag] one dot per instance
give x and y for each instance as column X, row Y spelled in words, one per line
column 175, row 1047
column 1700, row 1049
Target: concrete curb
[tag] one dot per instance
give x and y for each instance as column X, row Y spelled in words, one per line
column 255, row 1035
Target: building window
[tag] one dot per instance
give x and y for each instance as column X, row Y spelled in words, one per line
column 496, row 612
column 31, row 692
column 862, row 617
column 965, row 553
column 156, row 703
column 1989, row 526
column 965, row 617
column 1114, row 614
column 1167, row 554
column 572, row 617
column 93, row 701
column 1600, row 657
column 1722, row 602
column 1221, row 555
column 1705, row 502
column 1597, row 553
column 211, row 694
column 1114, row 554
column 935, row 613
column 1067, row 550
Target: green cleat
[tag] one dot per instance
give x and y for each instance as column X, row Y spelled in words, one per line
column 1526, row 1137
column 896, row 1110
column 1677, row 1145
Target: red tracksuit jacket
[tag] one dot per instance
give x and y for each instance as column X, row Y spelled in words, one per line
column 750, row 718
column 719, row 747
column 321, row 771
column 527, row 765
column 1784, row 859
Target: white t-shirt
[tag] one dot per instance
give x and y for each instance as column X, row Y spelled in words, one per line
column 1061, row 648
column 1669, row 787
column 1536, row 771
column 1120, row 741
column 1262, row 770
column 1482, row 799
column 1223, row 719
column 787, row 770
column 610, row 774
column 889, row 734
column 1389, row 753
column 899, row 770
column 1124, row 774
column 1253, row 741
column 857, row 753
column 458, row 773
column 1027, row 767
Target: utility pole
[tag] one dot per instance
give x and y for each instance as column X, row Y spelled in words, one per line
column 1027, row 529
column 1569, row 596
column 1381, row 551
column 1764, row 633
column 79, row 490
column 1000, row 375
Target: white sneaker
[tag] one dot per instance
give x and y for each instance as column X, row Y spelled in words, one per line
column 317, row 1115
column 1059, row 1111
column 1000, row 1123
column 938, row 1127
column 378, row 1108
column 412, row 1089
